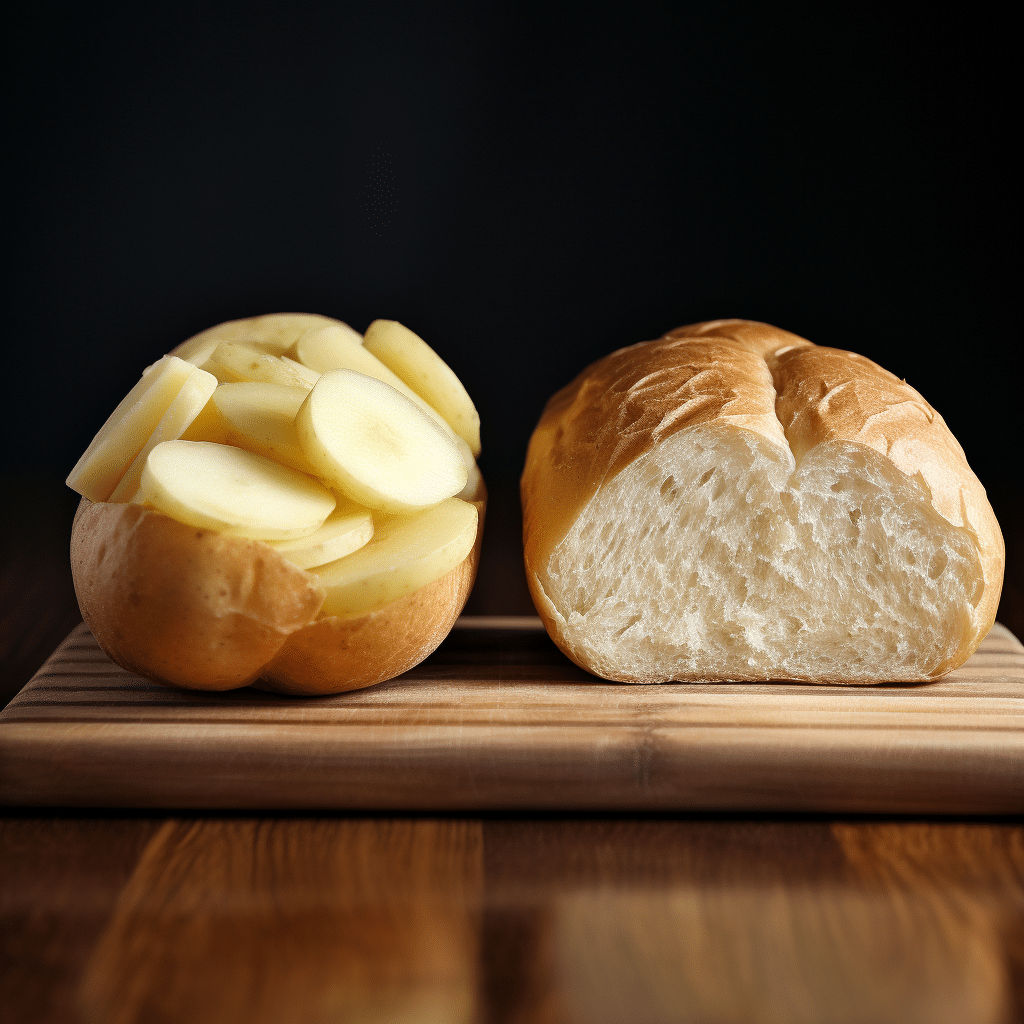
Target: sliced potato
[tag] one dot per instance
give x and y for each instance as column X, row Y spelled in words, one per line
column 468, row 493
column 127, row 429
column 232, row 363
column 199, row 354
column 409, row 357
column 181, row 413
column 207, row 426
column 218, row 487
column 261, row 418
column 329, row 348
column 376, row 446
column 274, row 333
column 338, row 347
column 405, row 554
column 345, row 530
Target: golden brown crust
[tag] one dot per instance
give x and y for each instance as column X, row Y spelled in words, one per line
column 828, row 394
column 625, row 404
column 745, row 374
column 196, row 609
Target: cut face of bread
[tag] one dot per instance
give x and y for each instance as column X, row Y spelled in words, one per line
column 713, row 554
column 724, row 511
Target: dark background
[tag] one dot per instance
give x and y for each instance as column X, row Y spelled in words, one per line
column 526, row 192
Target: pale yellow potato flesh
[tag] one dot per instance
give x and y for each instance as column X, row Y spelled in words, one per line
column 274, row 333
column 338, row 347
column 345, row 530
column 376, row 446
column 207, row 426
column 219, row 487
column 406, row 553
column 128, row 428
column 199, row 354
column 410, row 358
column 472, row 483
column 329, row 348
column 233, row 363
column 231, row 458
column 261, row 418
column 181, row 413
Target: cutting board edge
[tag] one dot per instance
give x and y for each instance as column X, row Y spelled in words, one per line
column 630, row 772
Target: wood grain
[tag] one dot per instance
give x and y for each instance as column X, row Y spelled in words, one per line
column 298, row 921
column 753, row 921
column 498, row 718
column 59, row 881
column 510, row 921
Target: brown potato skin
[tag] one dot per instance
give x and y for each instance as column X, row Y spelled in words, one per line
column 180, row 605
column 333, row 655
column 196, row 609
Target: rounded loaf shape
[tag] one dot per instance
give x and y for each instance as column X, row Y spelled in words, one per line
column 199, row 609
column 733, row 502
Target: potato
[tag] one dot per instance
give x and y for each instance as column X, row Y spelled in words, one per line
column 345, row 530
column 232, row 362
column 373, row 444
column 261, row 418
column 422, row 369
column 274, row 333
column 338, row 347
column 128, row 428
column 406, row 553
column 181, row 413
column 348, row 478
column 217, row 487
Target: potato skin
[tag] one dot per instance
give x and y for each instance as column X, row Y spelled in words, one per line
column 180, row 605
column 196, row 609
column 333, row 655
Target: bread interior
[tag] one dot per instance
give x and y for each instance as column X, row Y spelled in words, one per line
column 715, row 555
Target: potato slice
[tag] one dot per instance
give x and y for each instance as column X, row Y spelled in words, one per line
column 473, row 483
column 274, row 333
column 405, row 554
column 407, row 355
column 207, row 426
column 376, row 446
column 261, row 418
column 233, row 363
column 337, row 347
column 199, row 354
column 183, row 410
column 345, row 530
column 331, row 348
column 218, row 487
column 127, row 429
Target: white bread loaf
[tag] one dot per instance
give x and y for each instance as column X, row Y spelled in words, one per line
column 732, row 502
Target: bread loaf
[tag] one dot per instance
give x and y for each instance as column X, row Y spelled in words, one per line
column 733, row 502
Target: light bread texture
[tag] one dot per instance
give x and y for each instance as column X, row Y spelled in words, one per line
column 198, row 609
column 733, row 502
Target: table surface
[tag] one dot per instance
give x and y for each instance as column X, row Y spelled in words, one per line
column 129, row 916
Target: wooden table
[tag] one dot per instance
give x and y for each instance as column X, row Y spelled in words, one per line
column 251, row 916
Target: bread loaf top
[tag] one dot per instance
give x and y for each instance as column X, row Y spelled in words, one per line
column 798, row 397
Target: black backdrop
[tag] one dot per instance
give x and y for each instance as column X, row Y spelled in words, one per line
column 526, row 192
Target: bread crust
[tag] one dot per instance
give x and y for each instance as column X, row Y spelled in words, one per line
column 794, row 394
column 197, row 609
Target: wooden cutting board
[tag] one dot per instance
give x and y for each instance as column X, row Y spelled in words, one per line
column 497, row 718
